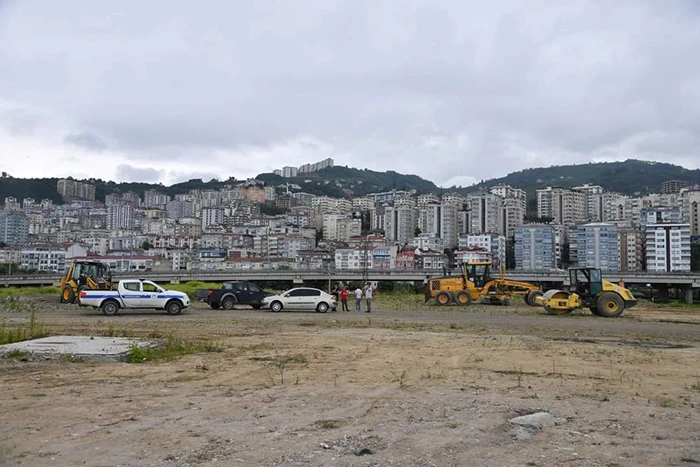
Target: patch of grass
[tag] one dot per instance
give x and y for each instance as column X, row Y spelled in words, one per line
column 18, row 355
column 113, row 331
column 694, row 386
column 172, row 348
column 34, row 329
column 18, row 291
column 329, row 424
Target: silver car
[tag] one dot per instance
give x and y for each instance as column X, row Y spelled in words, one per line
column 300, row 298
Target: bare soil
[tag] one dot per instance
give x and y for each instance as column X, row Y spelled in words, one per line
column 432, row 387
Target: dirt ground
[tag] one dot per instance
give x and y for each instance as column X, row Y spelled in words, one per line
column 431, row 387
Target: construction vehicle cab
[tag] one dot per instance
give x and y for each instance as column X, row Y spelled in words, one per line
column 476, row 283
column 84, row 275
column 588, row 289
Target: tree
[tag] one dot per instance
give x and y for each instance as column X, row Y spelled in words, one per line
column 417, row 232
column 146, row 245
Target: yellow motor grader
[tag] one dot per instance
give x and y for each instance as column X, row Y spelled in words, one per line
column 588, row 289
column 475, row 283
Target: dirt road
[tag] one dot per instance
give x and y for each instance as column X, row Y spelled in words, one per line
column 404, row 388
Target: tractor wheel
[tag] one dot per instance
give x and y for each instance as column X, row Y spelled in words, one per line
column 530, row 297
column 443, row 298
column 463, row 298
column 67, row 294
column 610, row 305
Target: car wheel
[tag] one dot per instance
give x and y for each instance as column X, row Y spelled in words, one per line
column 110, row 308
column 228, row 303
column 322, row 307
column 276, row 306
column 173, row 307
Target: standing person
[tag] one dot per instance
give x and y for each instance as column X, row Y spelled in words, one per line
column 336, row 293
column 368, row 297
column 358, row 299
column 344, row 298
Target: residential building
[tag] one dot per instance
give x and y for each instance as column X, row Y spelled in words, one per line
column 658, row 215
column 428, row 241
column 598, row 246
column 591, row 193
column 44, row 259
column 689, row 202
column 562, row 205
column 631, row 248
column 673, row 186
column 73, row 190
column 14, row 228
column 493, row 244
column 155, row 199
column 212, row 217
column 400, row 224
column 534, row 247
column 440, row 219
column 472, row 255
column 509, row 192
column 667, row 247
column 11, row 204
column 288, row 172
column 120, row 217
column 513, row 215
column 384, row 257
column 485, row 211
column 354, row 258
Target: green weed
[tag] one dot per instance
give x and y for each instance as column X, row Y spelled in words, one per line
column 34, row 329
column 172, row 348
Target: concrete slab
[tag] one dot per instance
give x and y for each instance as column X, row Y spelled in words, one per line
column 91, row 348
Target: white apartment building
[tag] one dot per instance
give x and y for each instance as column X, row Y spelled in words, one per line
column 44, row 259
column 509, row 192
column 155, row 199
column 494, row 244
column 120, row 216
column 363, row 204
column 591, row 193
column 328, row 205
column 513, row 215
column 400, row 223
column 440, row 219
column 485, row 211
column 354, row 258
column 429, row 241
column 668, row 247
column 564, row 206
column 425, row 199
column 212, row 217
column 689, row 203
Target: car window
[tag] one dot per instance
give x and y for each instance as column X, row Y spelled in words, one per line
column 150, row 287
column 308, row 293
column 254, row 288
column 295, row 293
column 133, row 286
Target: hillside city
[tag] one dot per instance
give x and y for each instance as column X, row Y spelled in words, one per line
column 255, row 225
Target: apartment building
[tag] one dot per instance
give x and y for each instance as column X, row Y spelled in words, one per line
column 659, row 215
column 598, row 246
column 440, row 219
column 673, row 186
column 400, row 223
column 562, row 205
column 121, row 217
column 485, row 211
column 512, row 215
column 509, row 192
column 667, row 247
column 689, row 203
column 73, row 190
column 212, row 217
column 591, row 192
column 534, row 247
column 428, row 241
column 14, row 228
column 47, row 259
column 631, row 248
column 494, row 244
column 155, row 199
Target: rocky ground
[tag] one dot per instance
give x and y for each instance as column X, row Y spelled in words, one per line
column 422, row 387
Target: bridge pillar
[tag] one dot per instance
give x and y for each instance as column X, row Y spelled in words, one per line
column 688, row 295
column 663, row 294
column 175, row 280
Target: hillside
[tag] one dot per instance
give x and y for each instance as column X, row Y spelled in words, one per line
column 629, row 177
column 332, row 181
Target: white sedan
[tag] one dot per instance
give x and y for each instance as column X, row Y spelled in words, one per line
column 301, row 298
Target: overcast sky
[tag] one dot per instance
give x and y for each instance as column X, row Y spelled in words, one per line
column 454, row 91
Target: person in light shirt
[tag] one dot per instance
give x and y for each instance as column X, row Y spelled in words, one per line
column 368, row 297
column 358, row 299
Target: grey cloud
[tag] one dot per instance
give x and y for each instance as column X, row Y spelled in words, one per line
column 441, row 88
column 86, row 140
column 136, row 174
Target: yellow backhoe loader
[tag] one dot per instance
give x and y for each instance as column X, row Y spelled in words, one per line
column 588, row 289
column 84, row 275
column 474, row 282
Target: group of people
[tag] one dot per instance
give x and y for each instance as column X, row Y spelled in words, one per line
column 341, row 292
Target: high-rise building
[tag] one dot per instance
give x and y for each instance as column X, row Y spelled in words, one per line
column 212, row 217
column 120, row 217
column 534, row 247
column 659, row 215
column 289, row 172
column 494, row 244
column 177, row 209
column 509, row 192
column 73, row 190
column 440, row 219
column 668, row 247
column 591, row 193
column 14, row 228
column 631, row 247
column 155, row 199
column 512, row 216
column 673, row 186
column 485, row 211
column 598, row 246
column 689, row 203
column 562, row 205
column 400, row 223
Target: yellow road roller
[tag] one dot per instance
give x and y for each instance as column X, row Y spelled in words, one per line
column 588, row 289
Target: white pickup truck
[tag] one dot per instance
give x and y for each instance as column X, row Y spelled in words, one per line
column 135, row 294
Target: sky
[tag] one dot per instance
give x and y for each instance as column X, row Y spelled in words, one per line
column 454, row 91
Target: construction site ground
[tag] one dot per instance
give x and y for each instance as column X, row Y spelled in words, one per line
column 407, row 385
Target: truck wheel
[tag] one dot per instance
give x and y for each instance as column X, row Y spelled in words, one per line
column 276, row 306
column 67, row 294
column 610, row 305
column 463, row 298
column 530, row 297
column 443, row 298
column 110, row 308
column 228, row 303
column 215, row 306
column 256, row 307
column 173, row 307
column 322, row 307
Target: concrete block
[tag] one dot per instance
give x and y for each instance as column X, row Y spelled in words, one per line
column 91, row 348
